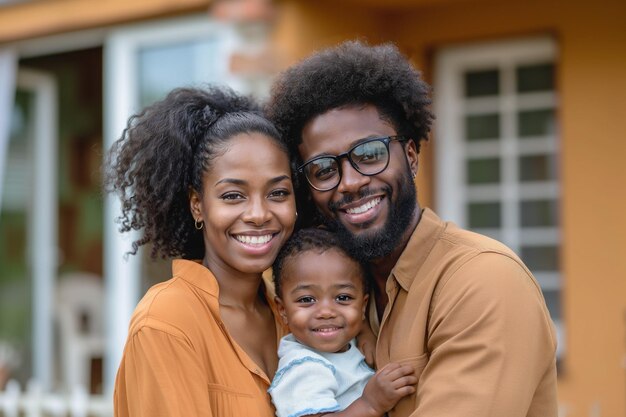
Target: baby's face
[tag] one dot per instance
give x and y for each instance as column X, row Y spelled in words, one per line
column 322, row 299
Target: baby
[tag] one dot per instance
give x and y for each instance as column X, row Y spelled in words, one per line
column 322, row 297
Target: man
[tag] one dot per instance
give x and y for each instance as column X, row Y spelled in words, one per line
column 460, row 307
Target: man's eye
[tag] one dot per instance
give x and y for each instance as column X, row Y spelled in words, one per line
column 325, row 173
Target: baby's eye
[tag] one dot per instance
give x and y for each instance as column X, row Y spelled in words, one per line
column 306, row 300
column 344, row 298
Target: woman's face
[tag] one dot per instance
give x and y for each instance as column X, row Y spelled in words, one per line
column 247, row 205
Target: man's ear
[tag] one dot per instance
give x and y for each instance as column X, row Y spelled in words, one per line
column 410, row 150
column 281, row 309
column 195, row 204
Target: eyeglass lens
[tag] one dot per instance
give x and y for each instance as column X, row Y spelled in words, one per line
column 369, row 158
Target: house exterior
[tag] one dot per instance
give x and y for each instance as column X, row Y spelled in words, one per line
column 527, row 147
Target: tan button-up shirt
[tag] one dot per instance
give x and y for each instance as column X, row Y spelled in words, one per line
column 469, row 316
column 179, row 360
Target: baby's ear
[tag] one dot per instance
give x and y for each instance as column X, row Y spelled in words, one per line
column 281, row 309
column 365, row 299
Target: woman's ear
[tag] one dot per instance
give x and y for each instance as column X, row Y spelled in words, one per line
column 281, row 309
column 195, row 204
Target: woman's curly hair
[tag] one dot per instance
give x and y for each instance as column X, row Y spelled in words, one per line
column 162, row 155
column 352, row 73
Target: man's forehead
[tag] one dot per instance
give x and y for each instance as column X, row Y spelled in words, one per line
column 338, row 129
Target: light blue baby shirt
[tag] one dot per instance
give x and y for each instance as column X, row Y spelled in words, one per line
column 309, row 381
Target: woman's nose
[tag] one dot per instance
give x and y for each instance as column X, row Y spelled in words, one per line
column 257, row 212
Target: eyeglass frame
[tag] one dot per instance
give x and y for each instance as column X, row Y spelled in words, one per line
column 386, row 140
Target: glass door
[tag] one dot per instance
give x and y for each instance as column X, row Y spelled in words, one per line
column 28, row 235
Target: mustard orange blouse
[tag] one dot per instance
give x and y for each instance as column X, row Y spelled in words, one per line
column 180, row 361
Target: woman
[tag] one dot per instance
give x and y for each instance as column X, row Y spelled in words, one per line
column 205, row 177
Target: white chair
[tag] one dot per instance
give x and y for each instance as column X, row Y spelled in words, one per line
column 79, row 315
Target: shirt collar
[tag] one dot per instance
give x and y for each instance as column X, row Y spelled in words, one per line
column 418, row 248
column 200, row 276
column 196, row 274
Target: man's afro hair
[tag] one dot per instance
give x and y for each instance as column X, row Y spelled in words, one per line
column 352, row 73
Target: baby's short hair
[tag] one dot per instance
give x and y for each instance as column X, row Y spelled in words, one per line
column 311, row 239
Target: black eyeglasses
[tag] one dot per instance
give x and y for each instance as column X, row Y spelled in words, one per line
column 369, row 157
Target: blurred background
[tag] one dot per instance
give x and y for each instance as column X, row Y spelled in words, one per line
column 529, row 147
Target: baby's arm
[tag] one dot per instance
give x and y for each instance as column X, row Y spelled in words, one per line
column 381, row 393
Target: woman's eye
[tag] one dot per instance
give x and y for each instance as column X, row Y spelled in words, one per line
column 231, row 196
column 280, row 194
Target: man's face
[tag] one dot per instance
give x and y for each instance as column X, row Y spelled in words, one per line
column 370, row 213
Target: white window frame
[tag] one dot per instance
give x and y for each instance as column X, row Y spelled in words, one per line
column 451, row 150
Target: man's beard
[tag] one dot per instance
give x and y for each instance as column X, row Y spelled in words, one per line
column 377, row 244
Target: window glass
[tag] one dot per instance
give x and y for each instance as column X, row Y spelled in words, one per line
column 164, row 67
column 484, row 215
column 482, row 83
column 539, row 213
column 553, row 301
column 532, row 78
column 541, row 258
column 15, row 275
column 535, row 122
column 482, row 127
column 537, row 168
column 483, row 171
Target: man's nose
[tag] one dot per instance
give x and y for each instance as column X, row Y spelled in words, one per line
column 351, row 180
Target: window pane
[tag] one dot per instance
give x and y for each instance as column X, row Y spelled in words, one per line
column 537, row 168
column 482, row 215
column 15, row 273
column 553, row 301
column 483, row 171
column 163, row 68
column 535, row 78
column 484, row 126
column 482, row 83
column 539, row 213
column 535, row 122
column 541, row 258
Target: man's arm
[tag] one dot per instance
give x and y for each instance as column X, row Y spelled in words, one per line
column 491, row 342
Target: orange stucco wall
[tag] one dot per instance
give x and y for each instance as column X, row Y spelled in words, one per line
column 40, row 18
column 591, row 37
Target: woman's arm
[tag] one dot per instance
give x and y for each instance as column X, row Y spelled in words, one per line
column 160, row 376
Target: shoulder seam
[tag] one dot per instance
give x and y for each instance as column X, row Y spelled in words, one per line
column 296, row 362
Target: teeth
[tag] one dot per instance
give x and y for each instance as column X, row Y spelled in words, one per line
column 326, row 329
column 364, row 207
column 253, row 240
